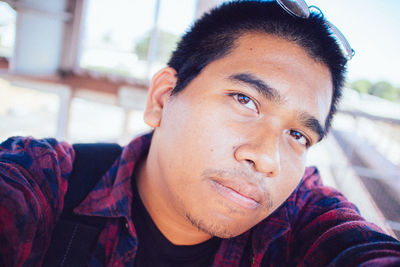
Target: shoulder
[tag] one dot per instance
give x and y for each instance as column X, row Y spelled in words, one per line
column 313, row 208
column 36, row 166
column 318, row 226
column 33, row 182
column 327, row 228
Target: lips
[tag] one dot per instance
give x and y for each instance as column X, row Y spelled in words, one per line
column 243, row 194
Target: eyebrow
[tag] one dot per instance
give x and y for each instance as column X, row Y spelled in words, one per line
column 273, row 95
column 313, row 124
column 259, row 85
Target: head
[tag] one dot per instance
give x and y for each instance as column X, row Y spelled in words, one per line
column 248, row 90
column 214, row 36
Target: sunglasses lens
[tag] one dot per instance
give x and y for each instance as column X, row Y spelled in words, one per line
column 297, row 8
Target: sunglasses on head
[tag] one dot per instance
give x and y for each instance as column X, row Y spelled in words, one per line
column 299, row 8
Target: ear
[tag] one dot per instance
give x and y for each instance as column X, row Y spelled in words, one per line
column 162, row 84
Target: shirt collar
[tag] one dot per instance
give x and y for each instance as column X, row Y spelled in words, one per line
column 112, row 195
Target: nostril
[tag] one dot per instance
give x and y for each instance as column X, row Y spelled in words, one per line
column 250, row 162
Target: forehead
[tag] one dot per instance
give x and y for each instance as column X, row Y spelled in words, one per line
column 283, row 65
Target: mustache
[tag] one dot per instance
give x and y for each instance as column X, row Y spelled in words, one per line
column 251, row 177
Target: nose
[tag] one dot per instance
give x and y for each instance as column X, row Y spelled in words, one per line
column 262, row 155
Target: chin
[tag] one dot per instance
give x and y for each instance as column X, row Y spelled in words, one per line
column 222, row 228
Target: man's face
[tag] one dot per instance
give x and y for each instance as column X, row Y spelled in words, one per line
column 231, row 147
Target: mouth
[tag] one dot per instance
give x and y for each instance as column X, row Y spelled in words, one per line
column 248, row 200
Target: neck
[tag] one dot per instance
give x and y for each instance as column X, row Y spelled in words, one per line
column 167, row 214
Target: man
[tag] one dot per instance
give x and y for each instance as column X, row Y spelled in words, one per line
column 222, row 180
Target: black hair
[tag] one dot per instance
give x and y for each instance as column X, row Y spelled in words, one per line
column 213, row 36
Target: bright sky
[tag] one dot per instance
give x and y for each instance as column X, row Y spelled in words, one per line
column 130, row 20
column 373, row 29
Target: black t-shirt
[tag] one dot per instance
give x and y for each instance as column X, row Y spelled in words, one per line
column 155, row 250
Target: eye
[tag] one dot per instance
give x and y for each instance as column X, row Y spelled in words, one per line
column 299, row 137
column 245, row 101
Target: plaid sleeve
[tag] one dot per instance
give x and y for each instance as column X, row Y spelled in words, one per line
column 329, row 231
column 33, row 182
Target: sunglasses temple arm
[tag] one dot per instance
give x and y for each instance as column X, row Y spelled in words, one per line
column 343, row 41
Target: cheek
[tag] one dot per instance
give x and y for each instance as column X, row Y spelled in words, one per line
column 292, row 170
column 193, row 135
column 200, row 127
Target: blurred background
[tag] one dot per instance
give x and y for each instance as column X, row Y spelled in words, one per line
column 78, row 70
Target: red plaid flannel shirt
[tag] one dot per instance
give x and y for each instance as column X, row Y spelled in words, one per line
column 315, row 226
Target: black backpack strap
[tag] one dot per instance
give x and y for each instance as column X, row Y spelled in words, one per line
column 91, row 162
column 74, row 235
